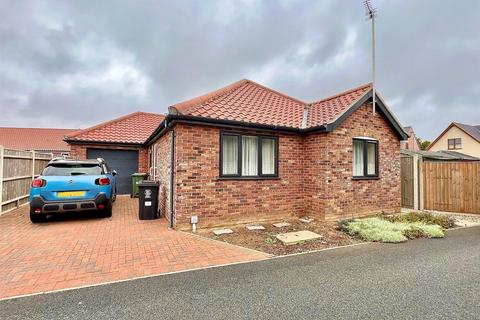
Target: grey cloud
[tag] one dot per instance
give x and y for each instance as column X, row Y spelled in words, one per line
column 428, row 55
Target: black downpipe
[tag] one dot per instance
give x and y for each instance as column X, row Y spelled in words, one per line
column 172, row 177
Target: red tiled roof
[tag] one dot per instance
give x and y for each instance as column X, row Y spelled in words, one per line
column 251, row 102
column 329, row 109
column 131, row 128
column 246, row 101
column 39, row 139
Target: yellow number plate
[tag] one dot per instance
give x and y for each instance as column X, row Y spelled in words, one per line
column 70, row 194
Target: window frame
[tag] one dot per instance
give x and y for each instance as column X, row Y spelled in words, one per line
column 455, row 144
column 260, row 138
column 365, row 142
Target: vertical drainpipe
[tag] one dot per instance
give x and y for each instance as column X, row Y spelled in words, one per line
column 172, row 179
column 304, row 126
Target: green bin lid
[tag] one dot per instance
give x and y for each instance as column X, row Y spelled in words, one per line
column 138, row 174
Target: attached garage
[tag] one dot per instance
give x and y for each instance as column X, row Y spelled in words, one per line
column 125, row 162
column 121, row 142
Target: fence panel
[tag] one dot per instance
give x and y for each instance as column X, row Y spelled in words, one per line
column 17, row 168
column 407, row 182
column 452, row 186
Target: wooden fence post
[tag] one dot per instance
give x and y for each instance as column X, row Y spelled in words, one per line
column 415, row 182
column 33, row 164
column 421, row 181
column 2, row 151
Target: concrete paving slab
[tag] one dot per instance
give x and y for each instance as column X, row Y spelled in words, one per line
column 219, row 232
column 298, row 236
column 281, row 224
column 255, row 227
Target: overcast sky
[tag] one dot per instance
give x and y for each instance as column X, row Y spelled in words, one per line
column 77, row 63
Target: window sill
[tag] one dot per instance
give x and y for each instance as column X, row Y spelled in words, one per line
column 248, row 178
column 365, row 178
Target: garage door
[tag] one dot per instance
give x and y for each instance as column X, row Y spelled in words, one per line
column 125, row 162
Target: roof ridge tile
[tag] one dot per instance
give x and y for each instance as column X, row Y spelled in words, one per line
column 184, row 106
column 363, row 86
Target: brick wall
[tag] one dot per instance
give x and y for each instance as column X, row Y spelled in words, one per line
column 79, row 151
column 330, row 190
column 411, row 143
column 200, row 191
column 315, row 176
column 162, row 172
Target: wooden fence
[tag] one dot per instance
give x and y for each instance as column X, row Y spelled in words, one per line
column 17, row 169
column 407, row 182
column 452, row 186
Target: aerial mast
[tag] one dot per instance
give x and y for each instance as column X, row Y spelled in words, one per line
column 371, row 13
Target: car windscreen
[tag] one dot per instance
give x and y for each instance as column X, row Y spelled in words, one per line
column 70, row 169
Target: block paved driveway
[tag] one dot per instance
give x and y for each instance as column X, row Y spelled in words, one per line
column 69, row 252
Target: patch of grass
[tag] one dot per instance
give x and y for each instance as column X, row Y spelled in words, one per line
column 381, row 230
column 444, row 221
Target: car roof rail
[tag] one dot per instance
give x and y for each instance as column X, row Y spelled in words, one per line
column 101, row 160
column 57, row 159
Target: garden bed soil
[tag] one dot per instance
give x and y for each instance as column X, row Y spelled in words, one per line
column 265, row 240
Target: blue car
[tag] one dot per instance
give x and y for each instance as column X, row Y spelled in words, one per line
column 72, row 185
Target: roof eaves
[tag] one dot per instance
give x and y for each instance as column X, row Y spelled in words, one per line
column 103, row 142
column 382, row 106
column 440, row 135
column 391, row 114
column 353, row 104
column 466, row 128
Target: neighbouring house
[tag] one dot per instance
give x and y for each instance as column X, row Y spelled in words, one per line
column 246, row 153
column 459, row 137
column 36, row 139
column 120, row 142
column 412, row 142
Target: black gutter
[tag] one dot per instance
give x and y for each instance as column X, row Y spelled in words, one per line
column 172, row 177
column 104, row 143
column 171, row 119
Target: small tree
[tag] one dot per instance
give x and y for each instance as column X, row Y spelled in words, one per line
column 424, row 144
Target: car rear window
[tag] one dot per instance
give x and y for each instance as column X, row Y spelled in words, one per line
column 67, row 169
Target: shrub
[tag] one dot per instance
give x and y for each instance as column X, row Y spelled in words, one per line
column 428, row 230
column 374, row 229
column 445, row 222
column 378, row 229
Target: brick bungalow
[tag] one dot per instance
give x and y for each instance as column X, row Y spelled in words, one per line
column 246, row 152
column 120, row 142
